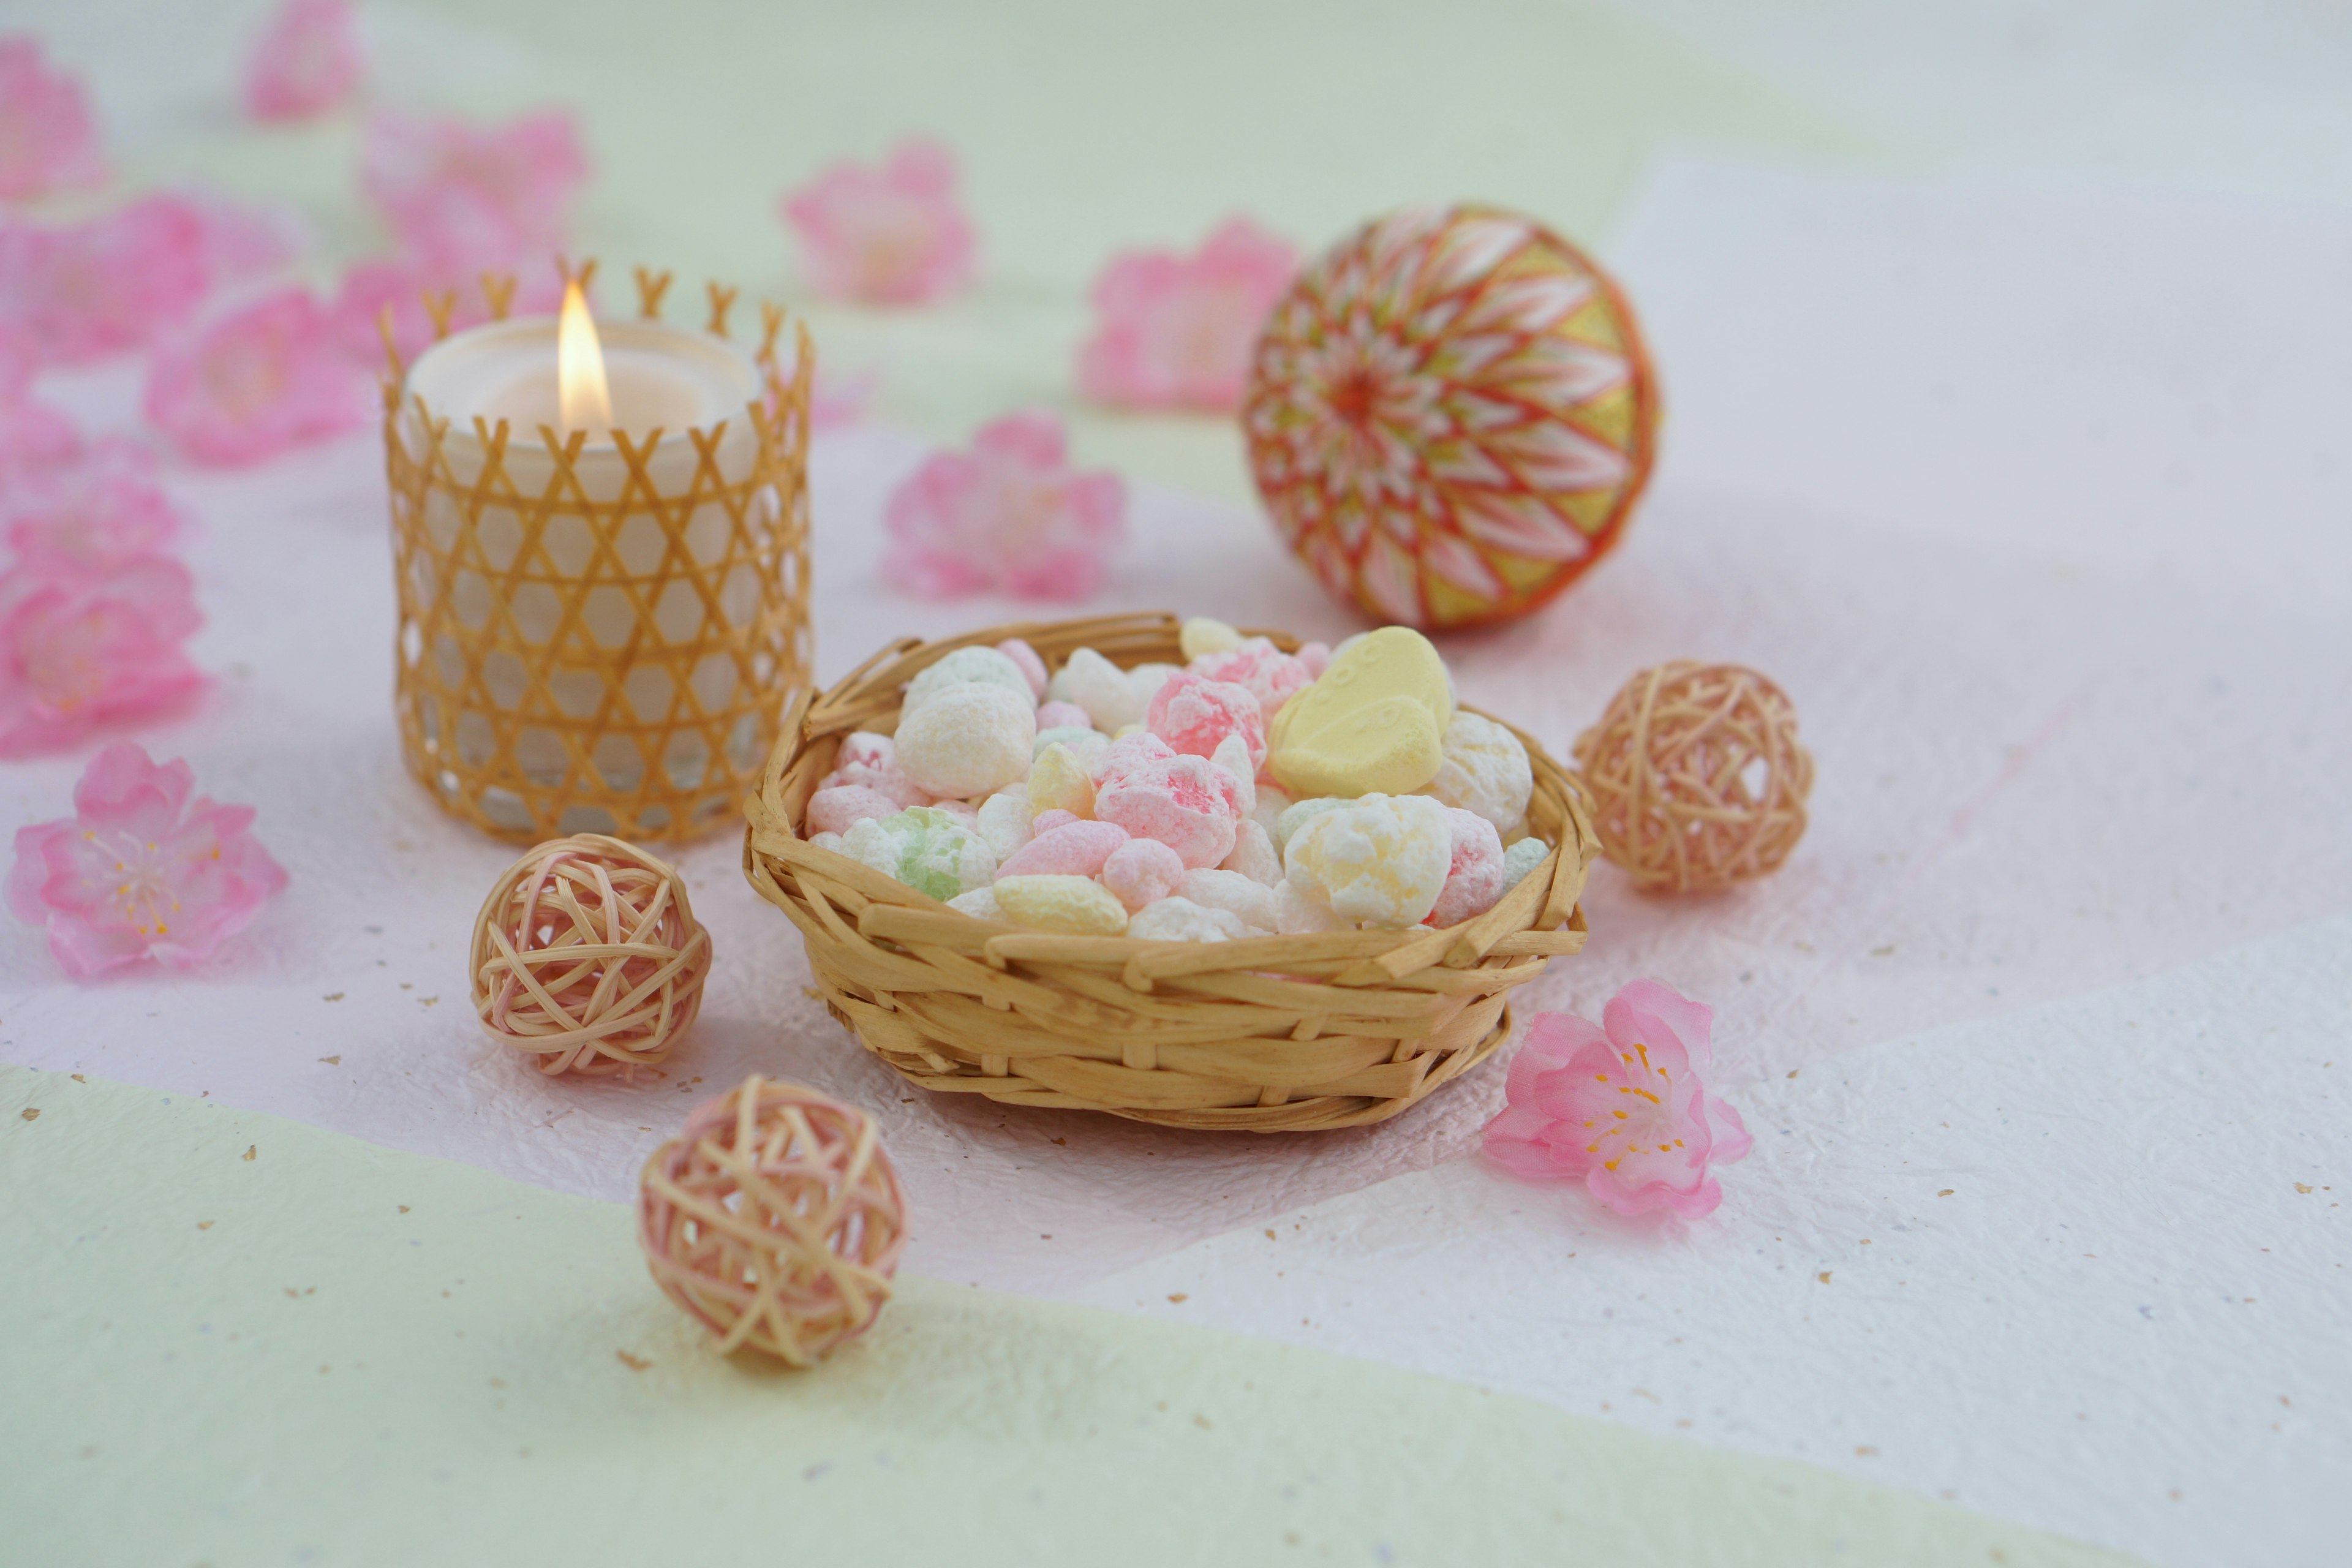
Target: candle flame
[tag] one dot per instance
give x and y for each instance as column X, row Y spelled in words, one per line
column 582, row 395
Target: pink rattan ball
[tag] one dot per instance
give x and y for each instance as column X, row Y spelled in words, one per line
column 1697, row 778
column 775, row 1219
column 587, row 957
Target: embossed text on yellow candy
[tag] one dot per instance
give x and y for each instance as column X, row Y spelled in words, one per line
column 1374, row 721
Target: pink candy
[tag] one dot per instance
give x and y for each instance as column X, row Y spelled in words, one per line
column 1121, row 758
column 1142, row 872
column 1032, row 667
column 1193, row 715
column 1187, row 803
column 1475, row 880
column 1272, row 676
column 842, row 807
column 872, row 761
column 1046, row 821
column 1063, row 716
column 1075, row 848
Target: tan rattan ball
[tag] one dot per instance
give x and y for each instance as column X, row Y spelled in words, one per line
column 1697, row 778
column 775, row 1219
column 587, row 957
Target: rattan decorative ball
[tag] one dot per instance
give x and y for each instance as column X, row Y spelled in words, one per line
column 587, row 957
column 1451, row 416
column 775, row 1219
column 1697, row 778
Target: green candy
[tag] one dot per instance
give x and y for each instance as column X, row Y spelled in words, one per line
column 925, row 847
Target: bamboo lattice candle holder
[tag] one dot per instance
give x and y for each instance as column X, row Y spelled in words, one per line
column 1269, row 1034
column 600, row 638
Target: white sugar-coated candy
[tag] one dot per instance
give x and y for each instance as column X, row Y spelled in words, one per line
column 984, row 664
column 1182, row 920
column 1486, row 770
column 1204, row 634
column 1521, row 858
column 1144, row 682
column 1382, row 858
column 1299, row 813
column 924, row 847
column 1253, row 854
column 1297, row 914
column 1250, row 902
column 827, row 841
column 967, row 739
column 1232, row 755
column 1099, row 686
column 981, row 905
column 1003, row 821
column 1272, row 800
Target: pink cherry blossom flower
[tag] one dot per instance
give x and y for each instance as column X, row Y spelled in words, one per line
column 1010, row 516
column 1173, row 331
column 1621, row 1106
column 93, row 515
column 48, row 143
column 77, row 292
column 140, row 870
column 306, row 63
column 82, row 649
column 463, row 198
column 266, row 377
column 839, row 402
column 892, row 235
column 33, row 435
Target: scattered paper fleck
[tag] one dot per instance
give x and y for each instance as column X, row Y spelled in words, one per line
column 404, row 1208
column 635, row 1363
column 78, row 1078
column 2299, row 1186
column 333, row 1061
column 332, row 996
column 1823, row 1277
column 1864, row 1451
column 1945, row 1194
column 251, row 1151
column 33, row 1113
column 1178, row 1296
column 203, row 1225
column 1201, row 1422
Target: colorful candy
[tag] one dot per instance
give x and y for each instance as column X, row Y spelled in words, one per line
column 1251, row 903
column 1063, row 716
column 840, row 808
column 1381, row 859
column 1073, row 906
column 967, row 739
column 1060, row 780
column 1032, row 667
column 1520, row 858
column 1186, row 803
column 1003, row 821
column 1297, row 914
column 1127, row 754
column 1141, row 871
column 1194, row 716
column 1473, row 877
column 1485, row 770
column 1373, row 723
column 1253, row 854
column 1182, row 920
column 1113, row 697
column 872, row 761
column 1205, row 635
column 983, row 665
column 1078, row 849
column 1273, row 676
column 924, row 847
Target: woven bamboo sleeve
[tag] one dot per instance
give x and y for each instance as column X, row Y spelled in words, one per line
column 1269, row 1034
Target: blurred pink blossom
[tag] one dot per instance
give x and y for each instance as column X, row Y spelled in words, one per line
column 76, row 292
column 33, row 435
column 78, row 650
column 1621, row 1106
column 48, row 143
column 1173, row 331
column 93, row 515
column 1009, row 516
column 268, row 377
column 140, row 870
column 306, row 63
column 463, row 198
column 892, row 235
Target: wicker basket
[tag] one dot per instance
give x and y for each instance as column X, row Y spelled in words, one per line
column 1272, row 1035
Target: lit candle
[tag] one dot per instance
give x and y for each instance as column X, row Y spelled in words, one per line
column 601, row 579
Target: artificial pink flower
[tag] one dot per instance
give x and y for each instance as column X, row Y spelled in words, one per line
column 892, row 235
column 1173, row 331
column 81, row 291
column 140, row 870
column 1622, row 1107
column 80, row 649
column 33, row 435
column 838, row 401
column 46, row 139
column 265, row 378
column 306, row 63
column 463, row 199
column 1011, row 515
column 89, row 516
column 370, row 287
